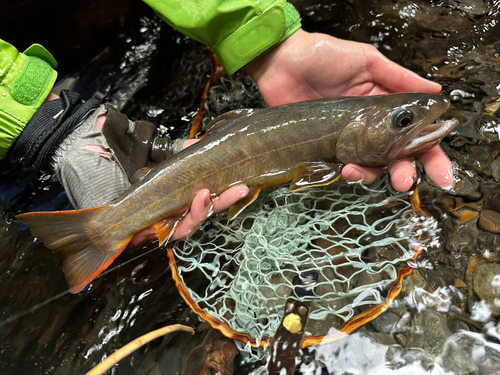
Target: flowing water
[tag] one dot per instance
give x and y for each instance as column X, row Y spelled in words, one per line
column 445, row 320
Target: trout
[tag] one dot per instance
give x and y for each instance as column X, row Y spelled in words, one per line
column 306, row 143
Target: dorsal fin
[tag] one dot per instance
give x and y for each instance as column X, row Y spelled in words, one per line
column 225, row 120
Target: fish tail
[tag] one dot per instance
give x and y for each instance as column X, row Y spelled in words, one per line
column 85, row 252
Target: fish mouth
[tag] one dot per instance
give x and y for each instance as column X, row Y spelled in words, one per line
column 430, row 136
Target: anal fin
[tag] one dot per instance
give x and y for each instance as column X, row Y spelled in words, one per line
column 239, row 206
column 315, row 174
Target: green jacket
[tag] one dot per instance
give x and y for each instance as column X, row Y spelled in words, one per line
column 237, row 30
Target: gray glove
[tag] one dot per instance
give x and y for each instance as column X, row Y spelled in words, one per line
column 92, row 178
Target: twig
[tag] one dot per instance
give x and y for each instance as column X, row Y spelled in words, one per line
column 134, row 345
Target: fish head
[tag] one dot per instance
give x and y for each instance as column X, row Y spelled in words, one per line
column 384, row 129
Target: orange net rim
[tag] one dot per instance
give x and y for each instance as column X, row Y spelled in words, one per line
column 347, row 328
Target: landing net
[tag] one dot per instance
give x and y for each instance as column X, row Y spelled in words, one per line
column 338, row 248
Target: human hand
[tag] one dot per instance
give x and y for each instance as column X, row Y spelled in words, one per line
column 201, row 207
column 312, row 66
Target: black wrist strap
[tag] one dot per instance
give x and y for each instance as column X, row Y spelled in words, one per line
column 48, row 126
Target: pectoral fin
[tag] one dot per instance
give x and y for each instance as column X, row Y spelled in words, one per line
column 139, row 175
column 315, row 174
column 165, row 228
column 239, row 206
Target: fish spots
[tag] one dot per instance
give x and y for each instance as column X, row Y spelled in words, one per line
column 266, row 170
column 234, row 172
column 150, row 206
column 180, row 195
column 204, row 174
column 167, row 198
column 327, row 147
column 240, row 152
column 247, row 163
column 237, row 165
column 173, row 191
column 179, row 181
column 258, row 157
column 128, row 208
column 187, row 191
column 146, row 219
column 214, row 166
column 117, row 226
column 220, row 183
column 270, row 158
column 138, row 214
column 192, row 172
column 124, row 218
column 282, row 154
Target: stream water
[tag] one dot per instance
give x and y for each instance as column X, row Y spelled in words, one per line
column 445, row 320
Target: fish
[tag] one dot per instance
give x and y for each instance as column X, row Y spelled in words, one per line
column 305, row 143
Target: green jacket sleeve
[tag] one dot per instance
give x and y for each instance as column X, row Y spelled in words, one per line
column 237, row 30
column 25, row 81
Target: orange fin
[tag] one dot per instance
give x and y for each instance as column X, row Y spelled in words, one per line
column 165, row 228
column 315, row 174
column 84, row 256
column 239, row 206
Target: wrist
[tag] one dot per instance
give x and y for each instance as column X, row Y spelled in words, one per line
column 270, row 28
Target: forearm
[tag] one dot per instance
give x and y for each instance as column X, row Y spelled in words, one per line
column 238, row 31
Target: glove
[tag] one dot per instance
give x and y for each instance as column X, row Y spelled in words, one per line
column 93, row 165
column 25, row 81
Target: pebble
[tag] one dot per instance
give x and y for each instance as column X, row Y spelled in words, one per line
column 487, row 285
column 489, row 220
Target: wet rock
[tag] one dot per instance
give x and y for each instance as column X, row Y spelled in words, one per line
column 469, row 353
column 487, row 285
column 429, row 331
column 386, row 323
column 381, row 338
column 489, row 220
column 415, row 280
column 467, row 187
column 458, row 361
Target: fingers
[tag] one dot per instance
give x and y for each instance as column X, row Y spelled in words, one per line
column 203, row 206
column 229, row 197
column 403, row 174
column 396, row 78
column 356, row 173
column 438, row 167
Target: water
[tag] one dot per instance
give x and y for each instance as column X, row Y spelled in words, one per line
column 154, row 73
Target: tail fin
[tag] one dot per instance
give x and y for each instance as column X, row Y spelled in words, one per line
column 84, row 257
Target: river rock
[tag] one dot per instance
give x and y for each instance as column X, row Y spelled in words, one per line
column 489, row 220
column 429, row 331
column 487, row 285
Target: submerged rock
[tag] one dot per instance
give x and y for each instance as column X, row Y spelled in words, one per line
column 487, row 285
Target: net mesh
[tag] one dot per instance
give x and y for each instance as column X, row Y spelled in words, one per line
column 337, row 248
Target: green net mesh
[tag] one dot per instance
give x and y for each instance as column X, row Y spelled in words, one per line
column 337, row 248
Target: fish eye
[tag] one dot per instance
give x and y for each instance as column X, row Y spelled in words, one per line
column 402, row 117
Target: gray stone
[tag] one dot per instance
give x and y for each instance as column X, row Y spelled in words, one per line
column 415, row 280
column 381, row 338
column 386, row 323
column 429, row 331
column 487, row 285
